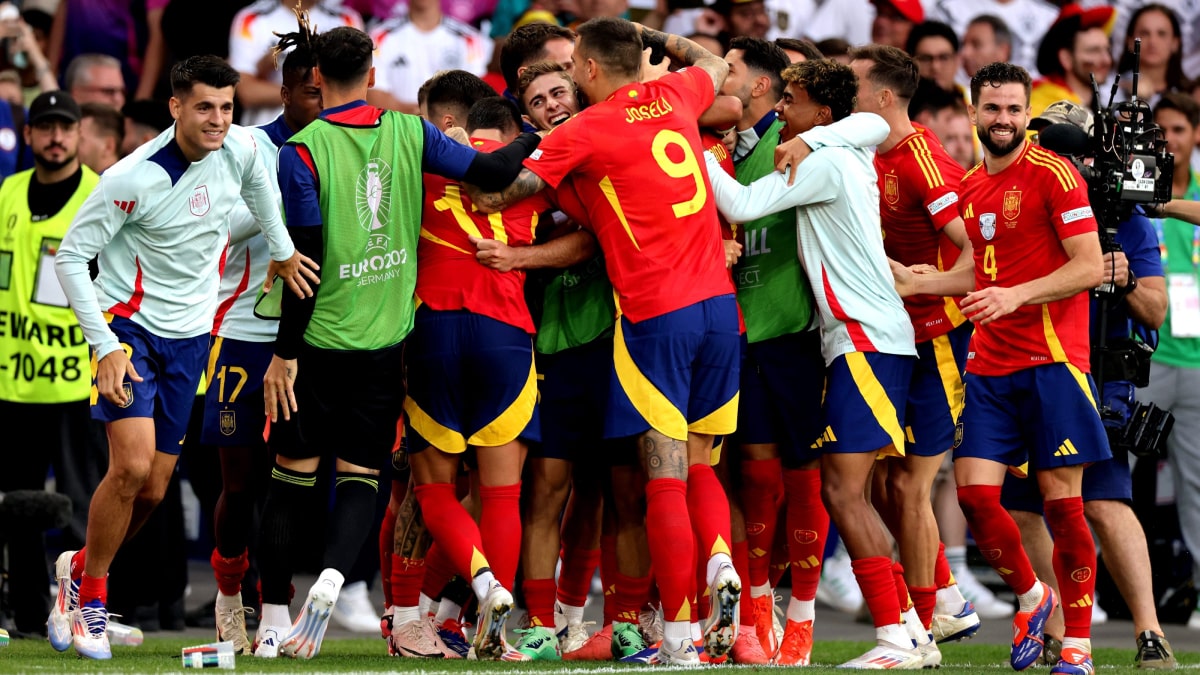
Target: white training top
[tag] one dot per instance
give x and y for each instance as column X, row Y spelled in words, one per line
column 406, row 56
column 840, row 240
column 159, row 224
column 246, row 262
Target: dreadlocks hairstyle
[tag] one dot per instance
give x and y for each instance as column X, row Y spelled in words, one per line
column 302, row 39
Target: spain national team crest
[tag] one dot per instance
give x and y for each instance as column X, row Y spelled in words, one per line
column 987, row 225
column 128, row 389
column 1012, row 205
column 198, row 204
column 891, row 188
column 228, row 422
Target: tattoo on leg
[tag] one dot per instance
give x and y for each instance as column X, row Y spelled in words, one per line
column 412, row 537
column 663, row 457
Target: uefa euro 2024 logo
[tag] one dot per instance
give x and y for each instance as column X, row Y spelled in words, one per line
column 373, row 201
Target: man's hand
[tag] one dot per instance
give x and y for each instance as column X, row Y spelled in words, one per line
column 111, row 372
column 903, row 278
column 788, row 155
column 494, row 254
column 652, row 71
column 733, row 251
column 1116, row 269
column 278, row 392
column 458, row 134
column 987, row 305
column 296, row 271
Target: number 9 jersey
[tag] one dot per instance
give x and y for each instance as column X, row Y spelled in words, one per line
column 1016, row 220
column 655, row 220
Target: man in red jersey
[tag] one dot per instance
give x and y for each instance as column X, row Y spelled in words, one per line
column 676, row 344
column 918, row 188
column 1036, row 254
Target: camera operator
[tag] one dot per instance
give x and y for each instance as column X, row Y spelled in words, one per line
column 1175, row 370
column 1135, row 305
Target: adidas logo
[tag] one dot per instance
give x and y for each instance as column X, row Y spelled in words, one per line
column 126, row 206
column 1085, row 601
column 1067, row 448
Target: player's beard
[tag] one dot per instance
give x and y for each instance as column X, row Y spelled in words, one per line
column 997, row 149
column 54, row 165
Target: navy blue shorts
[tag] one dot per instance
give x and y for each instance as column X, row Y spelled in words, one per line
column 782, row 381
column 1044, row 416
column 572, row 395
column 864, row 403
column 471, row 382
column 171, row 369
column 935, row 396
column 233, row 398
column 676, row 373
column 1109, row 479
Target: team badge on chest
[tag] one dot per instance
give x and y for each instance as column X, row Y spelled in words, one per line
column 198, row 204
column 987, row 225
column 1012, row 205
column 891, row 188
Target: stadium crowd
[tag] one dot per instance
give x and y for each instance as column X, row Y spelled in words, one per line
column 686, row 294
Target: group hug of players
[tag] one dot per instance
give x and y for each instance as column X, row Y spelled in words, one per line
column 700, row 395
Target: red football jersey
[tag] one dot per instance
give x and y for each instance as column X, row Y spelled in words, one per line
column 712, row 143
column 1016, row 220
column 918, row 196
column 637, row 166
column 448, row 275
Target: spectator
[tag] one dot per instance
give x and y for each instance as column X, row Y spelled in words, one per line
column 799, row 49
column 747, row 18
column 411, row 48
column 987, row 40
column 1028, row 21
column 251, row 39
column 934, row 46
column 10, row 87
column 848, row 20
column 1075, row 49
column 101, row 135
column 894, row 20
column 143, row 121
column 95, row 78
column 25, row 53
column 110, row 27
column 1161, row 67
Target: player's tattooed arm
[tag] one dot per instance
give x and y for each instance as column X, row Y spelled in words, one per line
column 688, row 53
column 527, row 184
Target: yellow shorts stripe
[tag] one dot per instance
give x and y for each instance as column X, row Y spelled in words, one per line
column 509, row 424
column 214, row 355
column 651, row 404
column 1081, row 379
column 877, row 400
column 952, row 381
column 723, row 420
column 443, row 438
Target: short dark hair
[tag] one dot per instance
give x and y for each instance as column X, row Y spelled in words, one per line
column 494, row 112
column 999, row 29
column 802, row 45
column 763, row 57
column 108, row 120
column 827, row 83
column 997, row 74
column 535, row 71
column 206, row 69
column 613, row 44
column 932, row 99
column 834, row 46
column 454, row 92
column 1186, row 105
column 344, row 55
column 297, row 66
column 525, row 45
column 891, row 69
column 929, row 29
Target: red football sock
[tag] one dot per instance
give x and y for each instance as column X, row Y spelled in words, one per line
column 608, row 575
column 942, row 576
column 741, row 563
column 387, row 537
column 575, row 577
column 406, row 579
column 808, row 527
column 439, row 570
column 632, row 595
column 450, row 524
column 924, row 599
column 997, row 536
column 500, row 529
column 902, row 595
column 878, row 585
column 761, row 495
column 229, row 572
column 91, row 588
column 1074, row 563
column 669, row 532
column 539, row 601
column 780, row 555
column 708, row 506
column 77, row 562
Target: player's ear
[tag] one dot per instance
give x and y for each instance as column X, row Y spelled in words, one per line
column 176, row 107
column 371, row 77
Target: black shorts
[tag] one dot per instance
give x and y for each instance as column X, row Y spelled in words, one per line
column 348, row 405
